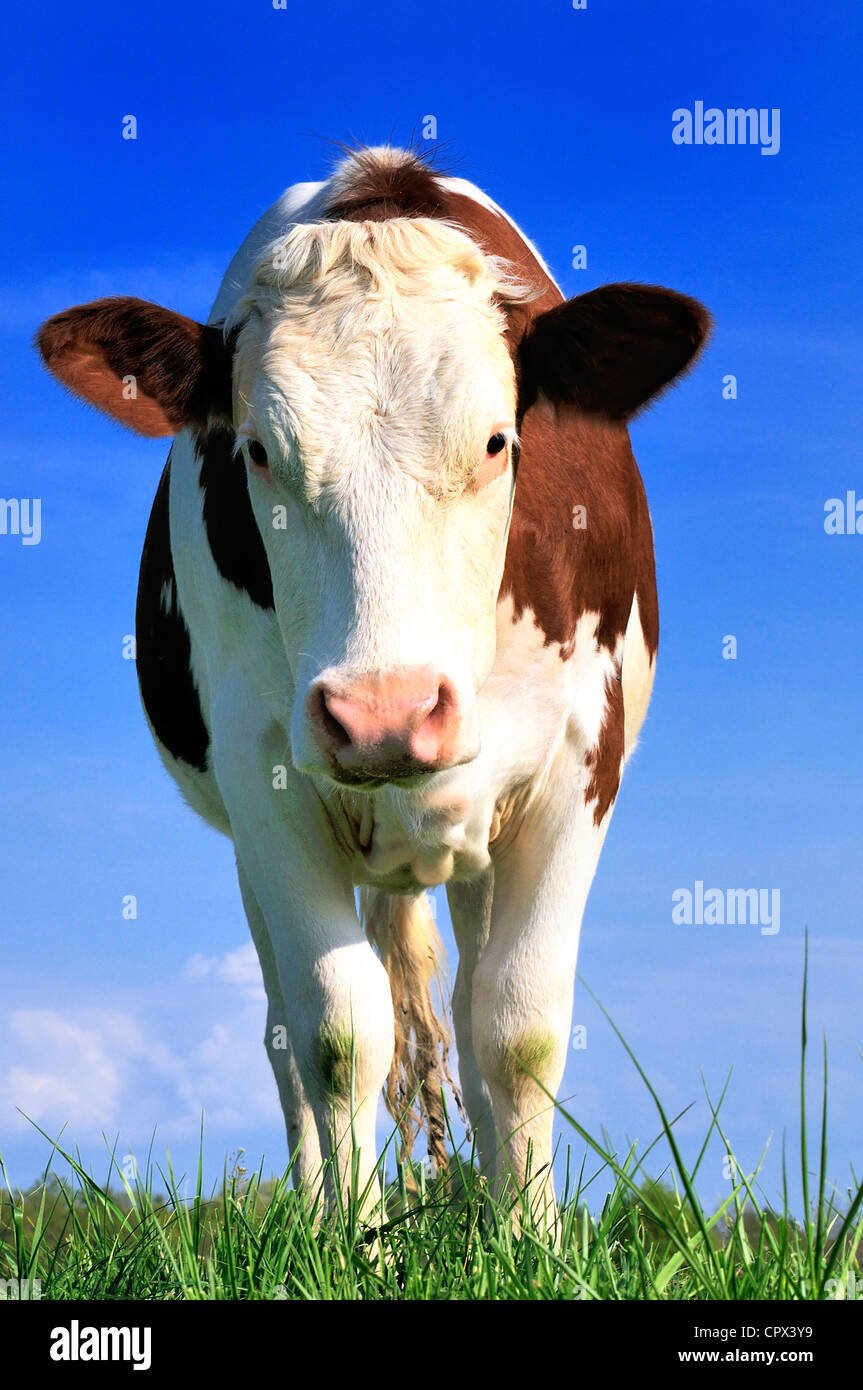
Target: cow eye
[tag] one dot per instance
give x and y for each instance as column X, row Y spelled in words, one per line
column 257, row 453
column 496, row 444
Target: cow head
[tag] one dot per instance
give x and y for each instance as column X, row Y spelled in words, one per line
column 372, row 388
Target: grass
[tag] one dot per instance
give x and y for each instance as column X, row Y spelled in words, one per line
column 435, row 1239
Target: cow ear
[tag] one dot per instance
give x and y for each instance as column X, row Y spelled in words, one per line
column 612, row 350
column 151, row 369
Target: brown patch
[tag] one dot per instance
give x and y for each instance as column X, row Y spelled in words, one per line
column 375, row 189
column 605, row 761
column 559, row 571
column 181, row 369
column 645, row 569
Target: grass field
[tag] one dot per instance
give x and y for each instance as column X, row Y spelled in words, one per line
column 257, row 1239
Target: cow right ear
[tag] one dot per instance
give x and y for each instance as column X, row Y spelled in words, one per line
column 153, row 370
column 612, row 350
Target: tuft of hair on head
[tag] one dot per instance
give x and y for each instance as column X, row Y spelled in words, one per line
column 399, row 256
column 375, row 183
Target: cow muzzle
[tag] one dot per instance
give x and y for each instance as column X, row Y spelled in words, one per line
column 387, row 726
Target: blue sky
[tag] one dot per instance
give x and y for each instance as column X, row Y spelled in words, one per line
column 749, row 771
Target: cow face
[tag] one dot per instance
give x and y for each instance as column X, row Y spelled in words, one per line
column 372, row 395
column 375, row 405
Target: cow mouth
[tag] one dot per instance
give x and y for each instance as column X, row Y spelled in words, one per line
column 405, row 773
column 359, row 780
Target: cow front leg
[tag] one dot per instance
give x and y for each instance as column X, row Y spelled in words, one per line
column 337, row 1003
column 470, row 910
column 523, row 984
column 300, row 1125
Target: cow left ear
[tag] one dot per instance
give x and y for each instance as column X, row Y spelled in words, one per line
column 153, row 370
column 612, row 350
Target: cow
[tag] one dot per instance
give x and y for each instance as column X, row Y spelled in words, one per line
column 397, row 628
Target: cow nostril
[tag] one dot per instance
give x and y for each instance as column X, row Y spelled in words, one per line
column 335, row 731
column 439, row 716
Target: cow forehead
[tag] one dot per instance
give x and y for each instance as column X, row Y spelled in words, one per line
column 391, row 333
column 337, row 258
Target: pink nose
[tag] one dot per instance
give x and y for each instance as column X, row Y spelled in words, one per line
column 389, row 724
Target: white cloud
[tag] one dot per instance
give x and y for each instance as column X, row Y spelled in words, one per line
column 239, row 968
column 63, row 1067
column 109, row 1067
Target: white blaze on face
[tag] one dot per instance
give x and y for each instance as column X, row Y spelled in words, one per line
column 373, row 370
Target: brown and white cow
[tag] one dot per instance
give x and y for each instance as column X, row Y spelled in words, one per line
column 371, row 658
